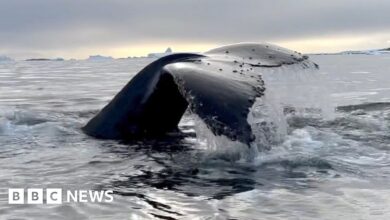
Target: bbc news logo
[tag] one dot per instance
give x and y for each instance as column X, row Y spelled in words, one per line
column 57, row 196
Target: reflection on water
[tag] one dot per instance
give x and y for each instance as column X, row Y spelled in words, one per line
column 334, row 167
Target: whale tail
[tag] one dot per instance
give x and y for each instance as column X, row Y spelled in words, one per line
column 220, row 86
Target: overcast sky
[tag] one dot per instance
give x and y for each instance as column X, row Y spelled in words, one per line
column 121, row 28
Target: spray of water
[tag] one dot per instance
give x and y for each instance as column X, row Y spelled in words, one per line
column 290, row 90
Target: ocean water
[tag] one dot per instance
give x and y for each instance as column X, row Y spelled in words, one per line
column 322, row 146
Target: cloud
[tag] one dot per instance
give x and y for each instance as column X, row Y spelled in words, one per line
column 65, row 25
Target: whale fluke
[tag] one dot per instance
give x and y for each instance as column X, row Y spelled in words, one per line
column 220, row 86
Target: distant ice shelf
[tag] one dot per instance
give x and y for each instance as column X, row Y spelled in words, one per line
column 385, row 51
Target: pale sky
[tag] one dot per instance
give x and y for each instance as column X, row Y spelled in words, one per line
column 121, row 28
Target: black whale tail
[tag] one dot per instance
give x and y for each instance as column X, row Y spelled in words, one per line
column 149, row 104
column 220, row 86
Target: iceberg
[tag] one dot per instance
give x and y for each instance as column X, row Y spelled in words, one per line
column 99, row 58
column 168, row 51
column 5, row 58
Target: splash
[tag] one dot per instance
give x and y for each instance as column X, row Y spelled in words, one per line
column 290, row 92
column 302, row 89
column 219, row 146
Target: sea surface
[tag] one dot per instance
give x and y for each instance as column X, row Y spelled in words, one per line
column 322, row 146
